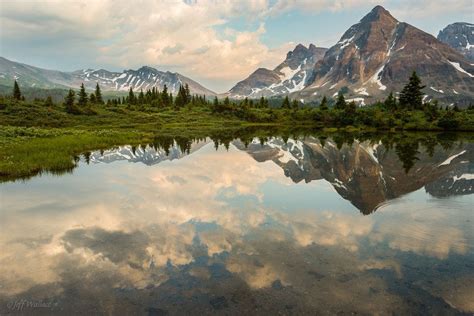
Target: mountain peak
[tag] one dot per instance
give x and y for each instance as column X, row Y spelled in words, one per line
column 377, row 13
column 379, row 10
column 299, row 49
column 146, row 68
column 460, row 36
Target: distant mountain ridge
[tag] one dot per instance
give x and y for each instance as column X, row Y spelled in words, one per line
column 290, row 76
column 142, row 78
column 460, row 36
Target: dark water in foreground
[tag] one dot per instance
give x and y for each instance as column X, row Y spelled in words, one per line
column 283, row 228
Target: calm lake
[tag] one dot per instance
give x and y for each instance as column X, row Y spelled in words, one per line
column 312, row 225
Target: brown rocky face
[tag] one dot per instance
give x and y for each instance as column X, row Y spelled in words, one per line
column 378, row 54
column 291, row 75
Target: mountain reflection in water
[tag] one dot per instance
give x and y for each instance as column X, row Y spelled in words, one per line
column 259, row 226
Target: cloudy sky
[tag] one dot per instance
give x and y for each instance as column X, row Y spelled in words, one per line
column 216, row 42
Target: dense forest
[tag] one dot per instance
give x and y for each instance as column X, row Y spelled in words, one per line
column 406, row 111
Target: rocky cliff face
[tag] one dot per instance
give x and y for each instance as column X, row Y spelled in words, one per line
column 290, row 76
column 459, row 36
column 378, row 54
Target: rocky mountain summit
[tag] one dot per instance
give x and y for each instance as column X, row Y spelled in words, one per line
column 459, row 36
column 290, row 76
column 378, row 54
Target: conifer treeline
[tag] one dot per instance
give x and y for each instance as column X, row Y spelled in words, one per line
column 156, row 98
column 410, row 98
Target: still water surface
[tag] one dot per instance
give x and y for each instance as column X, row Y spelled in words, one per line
column 298, row 227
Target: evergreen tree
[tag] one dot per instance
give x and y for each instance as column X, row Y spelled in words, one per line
column 82, row 96
column 295, row 105
column 227, row 102
column 216, row 102
column 49, row 101
column 245, row 103
column 92, row 98
column 263, row 103
column 16, row 91
column 69, row 102
column 131, row 96
column 98, row 95
column 165, row 96
column 390, row 103
column 411, row 97
column 141, row 97
column 351, row 108
column 324, row 104
column 341, row 102
column 187, row 93
column 182, row 97
column 286, row 103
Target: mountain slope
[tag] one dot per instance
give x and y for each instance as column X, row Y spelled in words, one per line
column 31, row 76
column 142, row 78
column 459, row 36
column 378, row 54
column 290, row 76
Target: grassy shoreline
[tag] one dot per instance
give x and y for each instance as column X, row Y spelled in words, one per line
column 29, row 151
column 35, row 138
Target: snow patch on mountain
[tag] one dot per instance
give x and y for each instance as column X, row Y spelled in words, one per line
column 460, row 69
column 448, row 161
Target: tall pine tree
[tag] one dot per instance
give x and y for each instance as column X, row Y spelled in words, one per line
column 295, row 104
column 82, row 96
column 286, row 103
column 165, row 96
column 341, row 102
column 324, row 104
column 390, row 102
column 131, row 96
column 69, row 102
column 98, row 95
column 411, row 97
column 16, row 91
column 187, row 93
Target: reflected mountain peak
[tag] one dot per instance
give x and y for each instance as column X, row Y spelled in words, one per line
column 367, row 173
column 366, row 170
column 148, row 154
